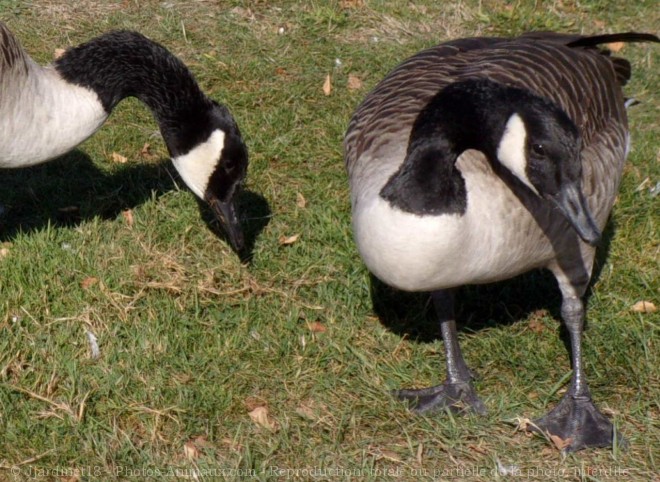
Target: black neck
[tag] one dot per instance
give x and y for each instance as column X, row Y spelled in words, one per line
column 126, row 64
column 464, row 115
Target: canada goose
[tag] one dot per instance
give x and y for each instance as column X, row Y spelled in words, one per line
column 47, row 111
column 483, row 158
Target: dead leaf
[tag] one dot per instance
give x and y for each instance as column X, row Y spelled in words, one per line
column 128, row 216
column 350, row 4
column 301, row 202
column 608, row 412
column 478, row 449
column 58, row 53
column 317, row 327
column 354, row 82
column 254, row 402
column 190, row 450
column 327, row 85
column 281, row 71
column 386, row 454
column 232, row 444
column 536, row 325
column 615, row 47
column 644, row 307
column 288, row 240
column 559, row 442
column 307, row 412
column 88, row 282
column 146, row 153
column 118, row 158
column 4, row 252
column 260, row 416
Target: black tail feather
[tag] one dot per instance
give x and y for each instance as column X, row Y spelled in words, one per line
column 594, row 40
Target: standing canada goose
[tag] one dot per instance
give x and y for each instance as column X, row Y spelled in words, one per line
column 47, row 111
column 483, row 158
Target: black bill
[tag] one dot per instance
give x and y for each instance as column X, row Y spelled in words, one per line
column 572, row 204
column 225, row 213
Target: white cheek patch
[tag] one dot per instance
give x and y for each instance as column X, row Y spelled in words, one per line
column 197, row 166
column 511, row 151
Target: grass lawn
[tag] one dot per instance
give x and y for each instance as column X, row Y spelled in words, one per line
column 210, row 368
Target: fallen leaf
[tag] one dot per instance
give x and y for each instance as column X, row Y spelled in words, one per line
column 58, row 53
column 260, row 416
column 190, row 450
column 254, row 402
column 608, row 412
column 644, row 307
column 317, row 327
column 88, row 282
column 536, row 325
column 128, row 216
column 477, row 449
column 301, row 202
column 287, row 240
column 385, row 454
column 232, row 444
column 349, row 4
column 354, row 82
column 615, row 47
column 327, row 85
column 146, row 153
column 118, row 158
column 559, row 442
column 281, row 71
column 307, row 412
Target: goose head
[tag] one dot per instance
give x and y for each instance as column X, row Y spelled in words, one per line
column 212, row 160
column 541, row 146
column 528, row 135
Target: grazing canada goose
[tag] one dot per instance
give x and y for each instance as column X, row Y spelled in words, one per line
column 483, row 158
column 47, row 111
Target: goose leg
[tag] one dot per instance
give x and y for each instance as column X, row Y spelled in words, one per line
column 457, row 392
column 576, row 419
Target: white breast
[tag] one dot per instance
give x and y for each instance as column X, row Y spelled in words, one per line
column 42, row 117
column 496, row 238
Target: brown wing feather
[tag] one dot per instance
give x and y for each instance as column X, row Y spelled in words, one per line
column 12, row 55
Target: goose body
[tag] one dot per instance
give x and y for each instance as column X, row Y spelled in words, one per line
column 46, row 111
column 483, row 158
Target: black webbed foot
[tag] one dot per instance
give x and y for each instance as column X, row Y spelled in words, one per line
column 577, row 421
column 458, row 397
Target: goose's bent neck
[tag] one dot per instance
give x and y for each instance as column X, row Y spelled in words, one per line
column 126, row 64
column 47, row 111
column 467, row 115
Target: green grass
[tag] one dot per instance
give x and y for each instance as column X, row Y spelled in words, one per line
column 192, row 340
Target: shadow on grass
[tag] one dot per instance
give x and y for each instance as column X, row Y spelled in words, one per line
column 480, row 306
column 71, row 189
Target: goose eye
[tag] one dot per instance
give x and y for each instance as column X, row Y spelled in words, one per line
column 538, row 149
